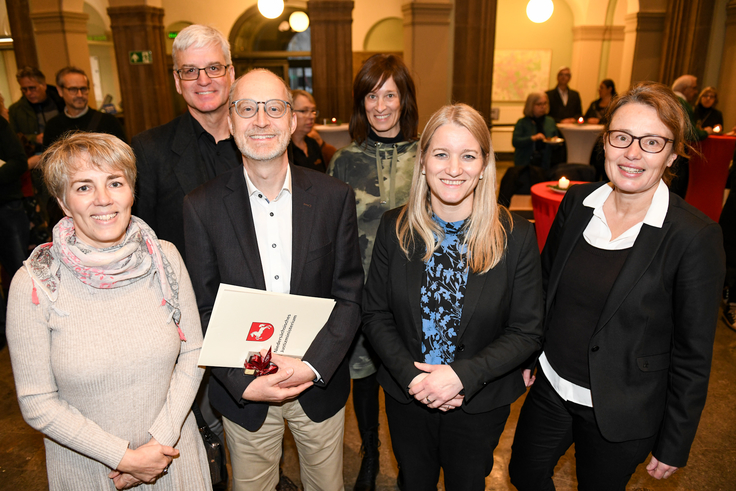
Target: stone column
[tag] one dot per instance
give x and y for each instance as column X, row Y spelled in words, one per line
column 332, row 56
column 642, row 50
column 24, row 43
column 146, row 99
column 61, row 38
column 475, row 33
column 727, row 78
column 428, row 43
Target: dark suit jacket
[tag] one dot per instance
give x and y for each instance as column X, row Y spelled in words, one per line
column 169, row 168
column 650, row 353
column 500, row 327
column 559, row 111
column 222, row 248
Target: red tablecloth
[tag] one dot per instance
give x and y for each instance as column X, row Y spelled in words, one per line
column 545, row 203
column 708, row 174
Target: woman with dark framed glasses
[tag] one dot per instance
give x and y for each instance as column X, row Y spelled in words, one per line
column 632, row 276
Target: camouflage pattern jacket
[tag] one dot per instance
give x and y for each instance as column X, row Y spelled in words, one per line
column 380, row 174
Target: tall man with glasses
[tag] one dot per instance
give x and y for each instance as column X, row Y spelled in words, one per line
column 175, row 158
column 77, row 115
column 282, row 228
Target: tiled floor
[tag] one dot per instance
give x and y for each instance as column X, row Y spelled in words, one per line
column 712, row 463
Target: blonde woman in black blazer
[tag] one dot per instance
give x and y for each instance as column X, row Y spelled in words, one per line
column 452, row 344
column 632, row 279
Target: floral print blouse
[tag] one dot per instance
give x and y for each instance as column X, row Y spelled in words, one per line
column 443, row 294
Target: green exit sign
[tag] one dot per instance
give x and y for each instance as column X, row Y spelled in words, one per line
column 140, row 57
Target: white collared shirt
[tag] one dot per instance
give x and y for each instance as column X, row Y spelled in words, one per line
column 66, row 113
column 272, row 221
column 598, row 235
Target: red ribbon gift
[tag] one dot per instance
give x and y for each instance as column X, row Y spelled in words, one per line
column 261, row 365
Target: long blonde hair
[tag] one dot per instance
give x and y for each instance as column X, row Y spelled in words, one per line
column 484, row 233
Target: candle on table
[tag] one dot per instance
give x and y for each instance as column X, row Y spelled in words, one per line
column 580, row 120
column 717, row 129
column 563, row 183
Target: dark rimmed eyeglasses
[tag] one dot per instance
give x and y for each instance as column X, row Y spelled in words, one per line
column 76, row 90
column 648, row 143
column 212, row 71
column 247, row 108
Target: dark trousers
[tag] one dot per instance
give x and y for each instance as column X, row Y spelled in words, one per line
column 548, row 425
column 728, row 225
column 425, row 440
column 14, row 230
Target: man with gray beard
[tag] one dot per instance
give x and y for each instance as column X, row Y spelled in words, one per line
column 287, row 229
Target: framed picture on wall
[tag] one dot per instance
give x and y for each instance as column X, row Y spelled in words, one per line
column 517, row 72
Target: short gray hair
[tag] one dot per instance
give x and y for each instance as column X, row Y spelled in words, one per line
column 66, row 71
column 683, row 82
column 531, row 100
column 199, row 36
column 73, row 150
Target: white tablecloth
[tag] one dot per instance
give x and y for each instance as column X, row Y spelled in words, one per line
column 336, row 135
column 580, row 140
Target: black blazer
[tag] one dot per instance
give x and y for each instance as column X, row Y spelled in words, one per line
column 169, row 168
column 500, row 327
column 222, row 248
column 650, row 354
column 558, row 110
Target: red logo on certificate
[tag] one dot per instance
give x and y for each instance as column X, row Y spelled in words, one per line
column 260, row 331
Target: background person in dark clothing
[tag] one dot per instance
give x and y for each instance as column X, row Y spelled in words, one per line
column 532, row 131
column 77, row 115
column 14, row 225
column 707, row 117
column 305, row 151
column 40, row 103
column 564, row 103
column 686, row 89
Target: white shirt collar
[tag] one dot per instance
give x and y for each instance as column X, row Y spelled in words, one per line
column 66, row 112
column 655, row 214
column 285, row 187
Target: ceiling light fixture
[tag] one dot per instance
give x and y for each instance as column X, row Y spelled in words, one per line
column 270, row 9
column 299, row 21
column 539, row 11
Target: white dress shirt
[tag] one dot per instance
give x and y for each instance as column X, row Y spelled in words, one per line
column 598, row 235
column 272, row 221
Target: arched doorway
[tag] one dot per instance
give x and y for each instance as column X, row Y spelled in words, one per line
column 258, row 42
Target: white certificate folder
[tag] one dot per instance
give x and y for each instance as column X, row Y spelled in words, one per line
column 245, row 321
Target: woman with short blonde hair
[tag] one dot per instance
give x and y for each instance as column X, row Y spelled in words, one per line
column 104, row 334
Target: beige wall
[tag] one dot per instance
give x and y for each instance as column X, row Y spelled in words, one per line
column 514, row 30
column 366, row 13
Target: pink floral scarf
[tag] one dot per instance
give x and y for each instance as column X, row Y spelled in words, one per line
column 113, row 267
